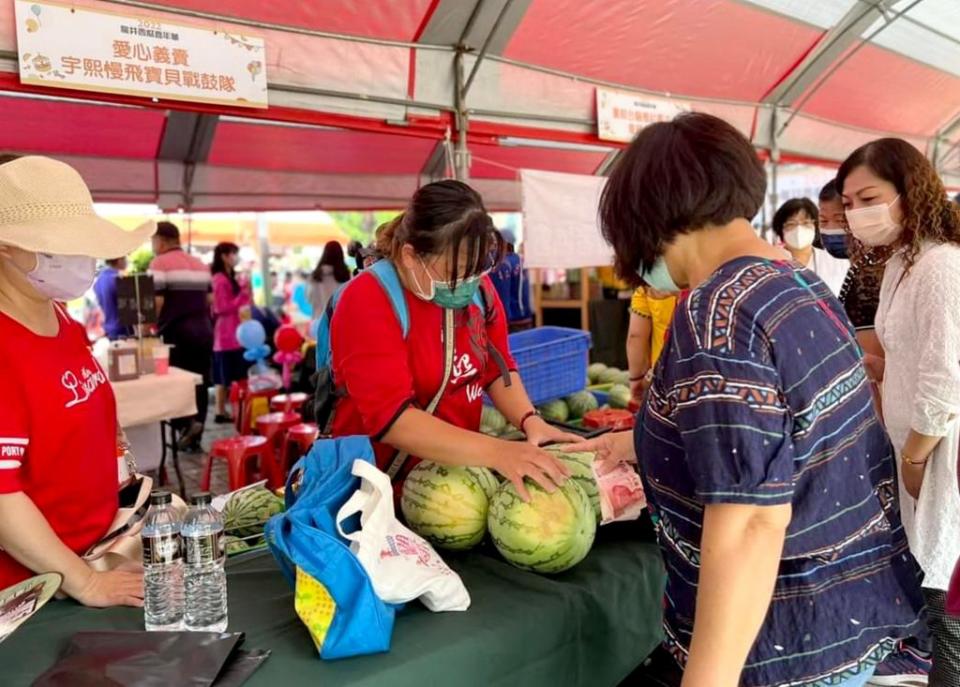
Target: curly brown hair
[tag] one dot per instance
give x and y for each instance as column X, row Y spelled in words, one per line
column 928, row 214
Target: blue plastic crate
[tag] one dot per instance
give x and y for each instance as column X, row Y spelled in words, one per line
column 552, row 361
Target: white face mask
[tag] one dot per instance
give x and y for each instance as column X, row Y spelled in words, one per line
column 874, row 225
column 800, row 237
column 63, row 277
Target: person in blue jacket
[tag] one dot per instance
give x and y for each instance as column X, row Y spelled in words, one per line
column 513, row 286
column 106, row 290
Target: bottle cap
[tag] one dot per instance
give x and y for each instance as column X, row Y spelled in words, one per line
column 160, row 498
column 202, row 499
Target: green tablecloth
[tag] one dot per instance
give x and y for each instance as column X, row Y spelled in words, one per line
column 589, row 626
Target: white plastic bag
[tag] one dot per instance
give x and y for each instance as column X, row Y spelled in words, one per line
column 402, row 566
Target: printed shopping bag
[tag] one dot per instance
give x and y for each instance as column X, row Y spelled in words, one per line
column 401, row 564
column 334, row 594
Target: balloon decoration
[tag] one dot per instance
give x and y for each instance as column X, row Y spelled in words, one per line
column 288, row 341
column 253, row 338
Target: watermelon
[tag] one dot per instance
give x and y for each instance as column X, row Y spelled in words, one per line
column 580, row 403
column 246, row 512
column 234, row 545
column 446, row 504
column 609, row 376
column 488, row 481
column 604, row 418
column 620, row 396
column 555, row 411
column 580, row 465
column 595, row 371
column 550, row 534
column 492, row 421
column 623, row 378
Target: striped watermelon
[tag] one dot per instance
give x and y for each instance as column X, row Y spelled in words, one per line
column 550, row 534
column 447, row 505
column 580, row 465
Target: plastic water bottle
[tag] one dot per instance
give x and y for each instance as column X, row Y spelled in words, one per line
column 162, row 565
column 205, row 581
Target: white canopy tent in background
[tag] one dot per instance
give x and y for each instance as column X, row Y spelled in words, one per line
column 369, row 100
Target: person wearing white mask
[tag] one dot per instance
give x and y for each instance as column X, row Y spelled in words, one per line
column 796, row 224
column 58, row 423
column 894, row 197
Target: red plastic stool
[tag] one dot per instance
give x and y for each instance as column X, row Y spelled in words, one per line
column 302, row 437
column 239, row 452
column 273, row 427
column 288, row 403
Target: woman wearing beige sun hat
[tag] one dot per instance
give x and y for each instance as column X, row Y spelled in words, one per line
column 58, row 418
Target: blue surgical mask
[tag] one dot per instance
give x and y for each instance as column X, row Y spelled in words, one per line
column 659, row 276
column 447, row 296
column 834, row 241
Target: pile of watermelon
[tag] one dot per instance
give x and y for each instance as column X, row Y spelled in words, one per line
column 244, row 517
column 599, row 374
column 454, row 508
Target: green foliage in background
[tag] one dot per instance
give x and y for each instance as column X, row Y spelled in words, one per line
column 139, row 260
column 359, row 226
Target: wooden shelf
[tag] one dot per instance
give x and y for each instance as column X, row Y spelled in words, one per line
column 549, row 303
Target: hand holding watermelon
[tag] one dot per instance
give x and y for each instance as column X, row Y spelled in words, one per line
column 516, row 460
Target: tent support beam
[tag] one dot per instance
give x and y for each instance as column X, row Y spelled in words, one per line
column 774, row 160
column 461, row 155
column 843, row 60
column 486, row 45
column 831, row 46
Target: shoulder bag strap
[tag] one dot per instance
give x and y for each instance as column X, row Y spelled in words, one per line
column 449, row 339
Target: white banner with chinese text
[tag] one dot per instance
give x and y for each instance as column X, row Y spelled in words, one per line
column 620, row 114
column 91, row 50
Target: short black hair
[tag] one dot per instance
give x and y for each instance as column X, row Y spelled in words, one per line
column 8, row 157
column 956, row 199
column 168, row 230
column 830, row 192
column 674, row 178
column 791, row 208
column 114, row 262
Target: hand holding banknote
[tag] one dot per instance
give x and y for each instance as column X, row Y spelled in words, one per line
column 621, row 490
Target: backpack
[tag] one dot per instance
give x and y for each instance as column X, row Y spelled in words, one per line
column 386, row 275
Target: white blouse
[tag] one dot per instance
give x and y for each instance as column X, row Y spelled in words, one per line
column 918, row 324
column 832, row 271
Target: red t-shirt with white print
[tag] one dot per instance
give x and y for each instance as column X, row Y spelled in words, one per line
column 58, row 434
column 384, row 374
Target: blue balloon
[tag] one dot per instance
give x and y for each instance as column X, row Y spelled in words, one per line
column 256, row 354
column 251, row 334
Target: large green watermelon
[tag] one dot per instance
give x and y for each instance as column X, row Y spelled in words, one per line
column 488, row 481
column 447, row 505
column 246, row 512
column 555, row 411
column 492, row 421
column 610, row 376
column 595, row 371
column 620, row 396
column 550, row 534
column 580, row 465
column 581, row 403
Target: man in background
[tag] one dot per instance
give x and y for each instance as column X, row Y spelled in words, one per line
column 513, row 285
column 182, row 285
column 105, row 289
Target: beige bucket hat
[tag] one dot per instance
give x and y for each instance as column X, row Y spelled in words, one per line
column 46, row 207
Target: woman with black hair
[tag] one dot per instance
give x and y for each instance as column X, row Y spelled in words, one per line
column 764, row 462
column 412, row 374
column 330, row 273
column 797, row 224
column 229, row 300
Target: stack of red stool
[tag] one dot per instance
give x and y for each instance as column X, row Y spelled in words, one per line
column 240, row 452
column 302, row 438
column 274, row 427
column 289, row 403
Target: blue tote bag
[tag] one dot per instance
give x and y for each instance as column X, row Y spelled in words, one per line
column 333, row 594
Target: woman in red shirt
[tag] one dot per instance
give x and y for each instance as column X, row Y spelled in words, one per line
column 441, row 249
column 58, row 419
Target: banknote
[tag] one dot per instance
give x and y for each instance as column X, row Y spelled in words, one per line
column 621, row 491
